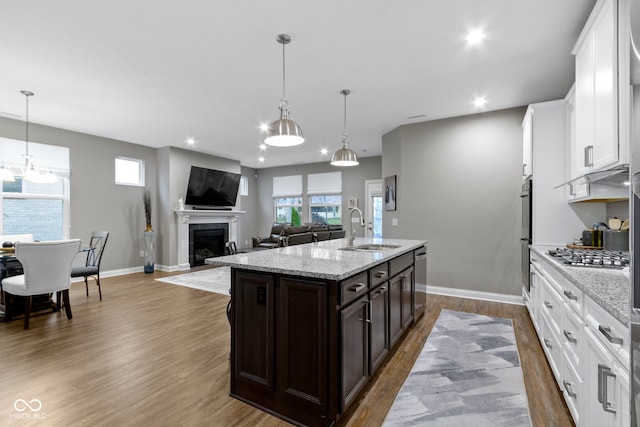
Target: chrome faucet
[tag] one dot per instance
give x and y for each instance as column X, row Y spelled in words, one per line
column 352, row 233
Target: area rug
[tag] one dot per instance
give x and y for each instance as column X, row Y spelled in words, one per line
column 216, row 280
column 467, row 374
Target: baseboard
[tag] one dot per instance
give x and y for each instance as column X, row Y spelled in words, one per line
column 479, row 295
column 130, row 270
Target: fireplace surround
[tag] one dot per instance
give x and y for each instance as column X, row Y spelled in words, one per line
column 187, row 217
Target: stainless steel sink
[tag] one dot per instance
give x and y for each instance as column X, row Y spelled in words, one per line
column 370, row 247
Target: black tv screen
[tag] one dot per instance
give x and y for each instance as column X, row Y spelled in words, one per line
column 209, row 187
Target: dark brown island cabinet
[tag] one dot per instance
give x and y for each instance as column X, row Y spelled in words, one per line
column 303, row 348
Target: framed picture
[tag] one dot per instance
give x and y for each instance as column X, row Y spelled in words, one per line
column 390, row 193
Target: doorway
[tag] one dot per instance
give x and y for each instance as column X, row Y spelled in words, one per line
column 373, row 191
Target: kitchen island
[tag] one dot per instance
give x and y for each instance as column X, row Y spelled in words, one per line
column 310, row 324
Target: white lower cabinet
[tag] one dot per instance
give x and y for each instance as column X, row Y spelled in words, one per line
column 607, row 387
column 584, row 346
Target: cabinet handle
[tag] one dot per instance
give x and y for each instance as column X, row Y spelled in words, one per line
column 570, row 337
column 571, row 295
column 381, row 291
column 569, row 388
column 534, row 260
column 367, row 313
column 381, row 274
column 524, row 166
column 588, row 156
column 358, row 287
column 572, row 189
column 548, row 305
column 606, row 331
column 604, row 372
column 547, row 343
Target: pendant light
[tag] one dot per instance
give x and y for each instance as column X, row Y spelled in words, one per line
column 345, row 156
column 284, row 132
column 30, row 173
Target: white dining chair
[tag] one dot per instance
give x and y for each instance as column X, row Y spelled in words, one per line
column 47, row 268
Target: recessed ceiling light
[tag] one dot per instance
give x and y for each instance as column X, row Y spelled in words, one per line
column 324, row 151
column 261, row 159
column 479, row 102
column 191, row 141
column 264, row 127
column 263, row 146
column 475, row 37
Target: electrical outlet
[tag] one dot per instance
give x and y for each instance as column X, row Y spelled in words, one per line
column 394, row 222
column 141, row 253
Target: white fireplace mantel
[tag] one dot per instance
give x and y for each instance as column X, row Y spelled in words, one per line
column 186, row 217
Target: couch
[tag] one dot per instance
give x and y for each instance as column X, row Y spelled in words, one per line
column 290, row 235
column 273, row 239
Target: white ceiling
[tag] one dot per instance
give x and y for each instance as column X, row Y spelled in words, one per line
column 155, row 72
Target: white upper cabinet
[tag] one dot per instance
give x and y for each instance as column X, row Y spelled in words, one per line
column 527, row 144
column 596, row 144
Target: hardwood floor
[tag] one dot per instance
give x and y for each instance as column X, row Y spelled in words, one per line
column 157, row 354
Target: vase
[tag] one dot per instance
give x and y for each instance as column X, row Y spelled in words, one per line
column 150, row 249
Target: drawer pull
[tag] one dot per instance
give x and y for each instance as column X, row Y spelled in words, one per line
column 603, row 373
column 381, row 291
column 569, row 388
column 381, row 274
column 570, row 337
column 547, row 343
column 358, row 287
column 548, row 305
column 571, row 295
column 606, row 331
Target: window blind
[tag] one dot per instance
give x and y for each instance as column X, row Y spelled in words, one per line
column 287, row 186
column 324, row 183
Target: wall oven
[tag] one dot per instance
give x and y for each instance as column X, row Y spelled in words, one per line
column 525, row 236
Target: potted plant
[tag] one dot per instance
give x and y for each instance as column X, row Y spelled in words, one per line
column 149, row 235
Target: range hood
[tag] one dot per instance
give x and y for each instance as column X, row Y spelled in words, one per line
column 617, row 177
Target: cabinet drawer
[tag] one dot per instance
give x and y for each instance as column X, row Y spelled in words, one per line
column 398, row 264
column 549, row 272
column 551, row 346
column 378, row 274
column 611, row 332
column 572, row 388
column 354, row 287
column 573, row 335
column 573, row 296
column 553, row 305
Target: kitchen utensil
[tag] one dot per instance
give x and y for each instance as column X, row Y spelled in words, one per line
column 625, row 225
column 616, row 240
column 598, row 224
column 614, row 223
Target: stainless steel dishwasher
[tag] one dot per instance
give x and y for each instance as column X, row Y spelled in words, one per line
column 421, row 281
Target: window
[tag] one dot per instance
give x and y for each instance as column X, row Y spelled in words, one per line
column 41, row 209
column 326, row 209
column 325, row 199
column 288, row 209
column 129, row 171
column 287, row 199
column 244, row 186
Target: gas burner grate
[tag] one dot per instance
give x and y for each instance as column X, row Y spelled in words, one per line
column 597, row 258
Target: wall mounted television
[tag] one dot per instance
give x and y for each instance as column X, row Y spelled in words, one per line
column 212, row 188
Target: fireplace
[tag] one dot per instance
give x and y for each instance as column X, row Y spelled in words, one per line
column 207, row 241
column 187, row 218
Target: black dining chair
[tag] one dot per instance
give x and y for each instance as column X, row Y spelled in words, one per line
column 94, row 257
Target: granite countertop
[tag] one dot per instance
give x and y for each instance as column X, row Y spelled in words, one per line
column 322, row 260
column 610, row 288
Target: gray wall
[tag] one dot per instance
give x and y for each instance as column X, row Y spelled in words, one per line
column 174, row 165
column 97, row 203
column 353, row 179
column 458, row 186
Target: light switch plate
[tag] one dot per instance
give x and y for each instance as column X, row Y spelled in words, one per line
column 394, row 221
column 352, row 202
